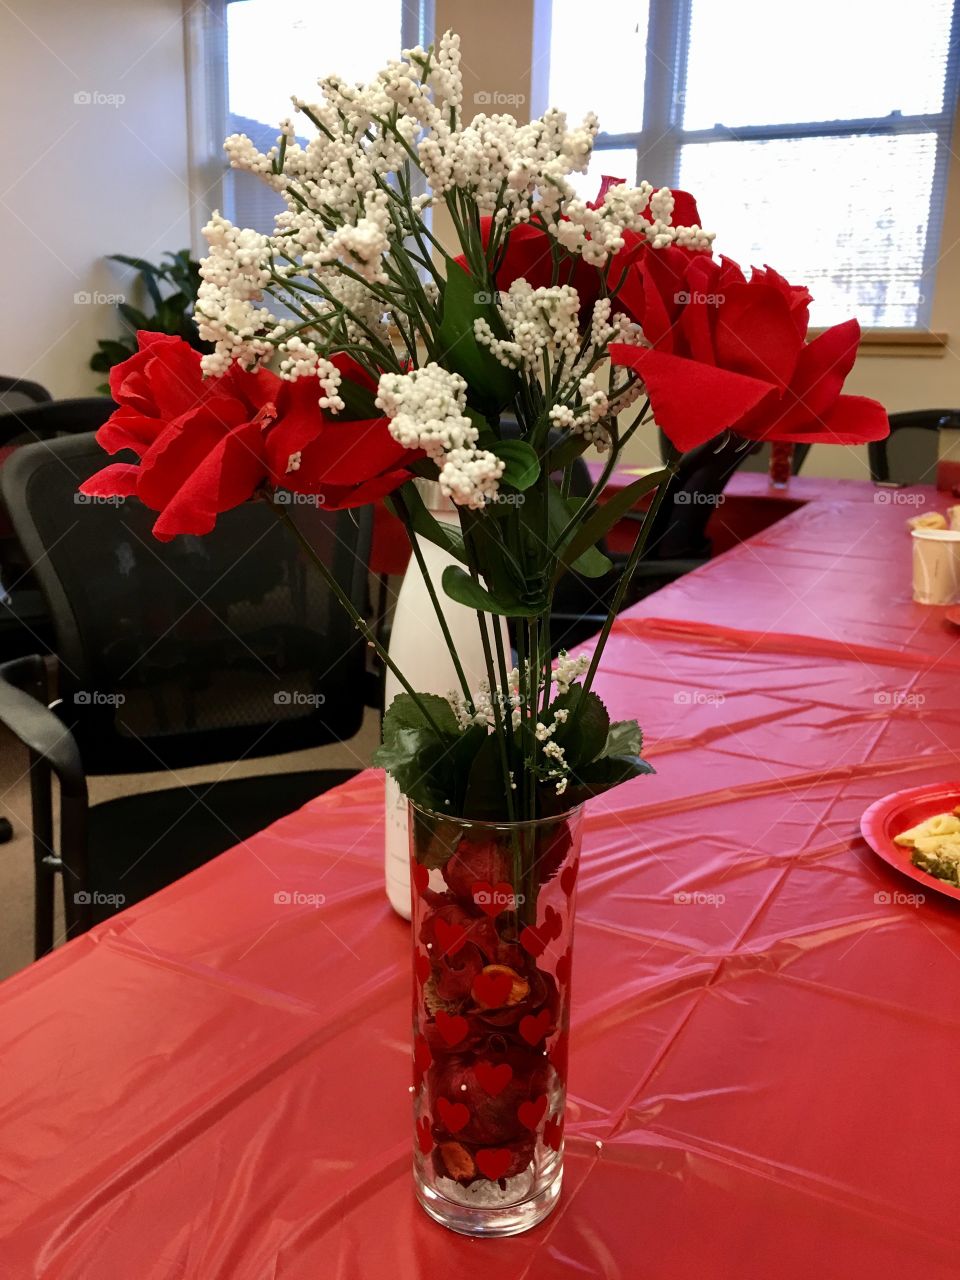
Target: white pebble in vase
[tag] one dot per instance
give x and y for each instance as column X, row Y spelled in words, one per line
column 419, row 650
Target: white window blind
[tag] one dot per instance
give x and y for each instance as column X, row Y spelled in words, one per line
column 816, row 137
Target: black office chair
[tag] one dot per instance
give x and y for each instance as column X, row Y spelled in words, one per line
column 169, row 655
column 677, row 543
column 756, row 456
column 24, row 622
column 909, row 454
column 17, row 393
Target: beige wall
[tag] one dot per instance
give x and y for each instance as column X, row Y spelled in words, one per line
column 85, row 177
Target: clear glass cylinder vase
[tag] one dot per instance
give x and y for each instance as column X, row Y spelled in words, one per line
column 492, row 915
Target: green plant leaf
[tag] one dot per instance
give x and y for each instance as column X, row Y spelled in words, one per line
column 606, row 516
column 484, row 797
column 447, row 537
column 592, row 563
column 583, row 735
column 463, row 302
column 359, row 401
column 405, row 712
column 465, row 590
column 602, row 775
column 624, row 739
column 409, row 756
column 522, row 464
column 134, row 318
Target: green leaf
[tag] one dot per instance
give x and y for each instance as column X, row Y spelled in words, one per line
column 405, row 712
column 607, row 514
column 134, row 318
column 409, row 756
column 584, row 733
column 624, row 739
column 602, row 775
column 522, row 464
column 437, row 840
column 463, row 302
column 467, row 591
column 562, row 454
column 447, row 537
column 592, row 563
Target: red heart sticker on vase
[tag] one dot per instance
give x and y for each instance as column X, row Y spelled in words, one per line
column 493, row 1162
column 450, row 937
column 531, row 1113
column 421, row 1053
column 424, row 1136
column 552, row 926
column 493, row 898
column 421, row 967
column 421, row 877
column 558, row 1052
column 493, row 1079
column 533, row 1029
column 533, row 941
column 563, row 968
column 453, row 1115
column 553, row 1132
column 568, row 878
column 451, row 1026
column 492, row 990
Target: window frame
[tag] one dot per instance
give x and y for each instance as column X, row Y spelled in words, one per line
column 659, row 141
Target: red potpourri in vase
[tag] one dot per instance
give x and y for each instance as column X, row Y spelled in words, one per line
column 492, row 918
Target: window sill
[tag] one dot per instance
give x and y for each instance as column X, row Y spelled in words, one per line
column 916, row 343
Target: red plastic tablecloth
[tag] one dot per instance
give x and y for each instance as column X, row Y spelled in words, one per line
column 214, row 1085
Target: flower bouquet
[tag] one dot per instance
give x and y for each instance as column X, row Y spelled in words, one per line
column 358, row 353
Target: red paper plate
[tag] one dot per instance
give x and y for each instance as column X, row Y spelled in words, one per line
column 903, row 809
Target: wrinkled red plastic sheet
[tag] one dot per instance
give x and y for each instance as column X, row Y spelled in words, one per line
column 766, row 1026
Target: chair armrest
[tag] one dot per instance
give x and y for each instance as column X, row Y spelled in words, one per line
column 34, row 724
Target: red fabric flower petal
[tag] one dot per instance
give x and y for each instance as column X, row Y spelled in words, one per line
column 691, row 402
column 118, row 480
column 755, row 332
column 227, row 476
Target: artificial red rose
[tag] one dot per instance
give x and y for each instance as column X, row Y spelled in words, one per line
column 731, row 353
column 207, row 444
column 346, row 464
column 528, row 254
column 442, row 928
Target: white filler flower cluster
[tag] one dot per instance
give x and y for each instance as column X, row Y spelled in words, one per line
column 352, row 264
column 426, row 411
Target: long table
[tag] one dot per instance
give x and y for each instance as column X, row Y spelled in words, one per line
column 214, row 1085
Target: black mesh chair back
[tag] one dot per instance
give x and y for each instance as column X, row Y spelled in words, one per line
column 17, row 393
column 909, row 454
column 43, row 421
column 200, row 649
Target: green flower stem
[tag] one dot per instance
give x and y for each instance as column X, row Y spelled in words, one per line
column 638, row 549
column 357, row 618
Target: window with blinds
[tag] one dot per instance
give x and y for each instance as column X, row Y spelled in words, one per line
column 816, row 137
